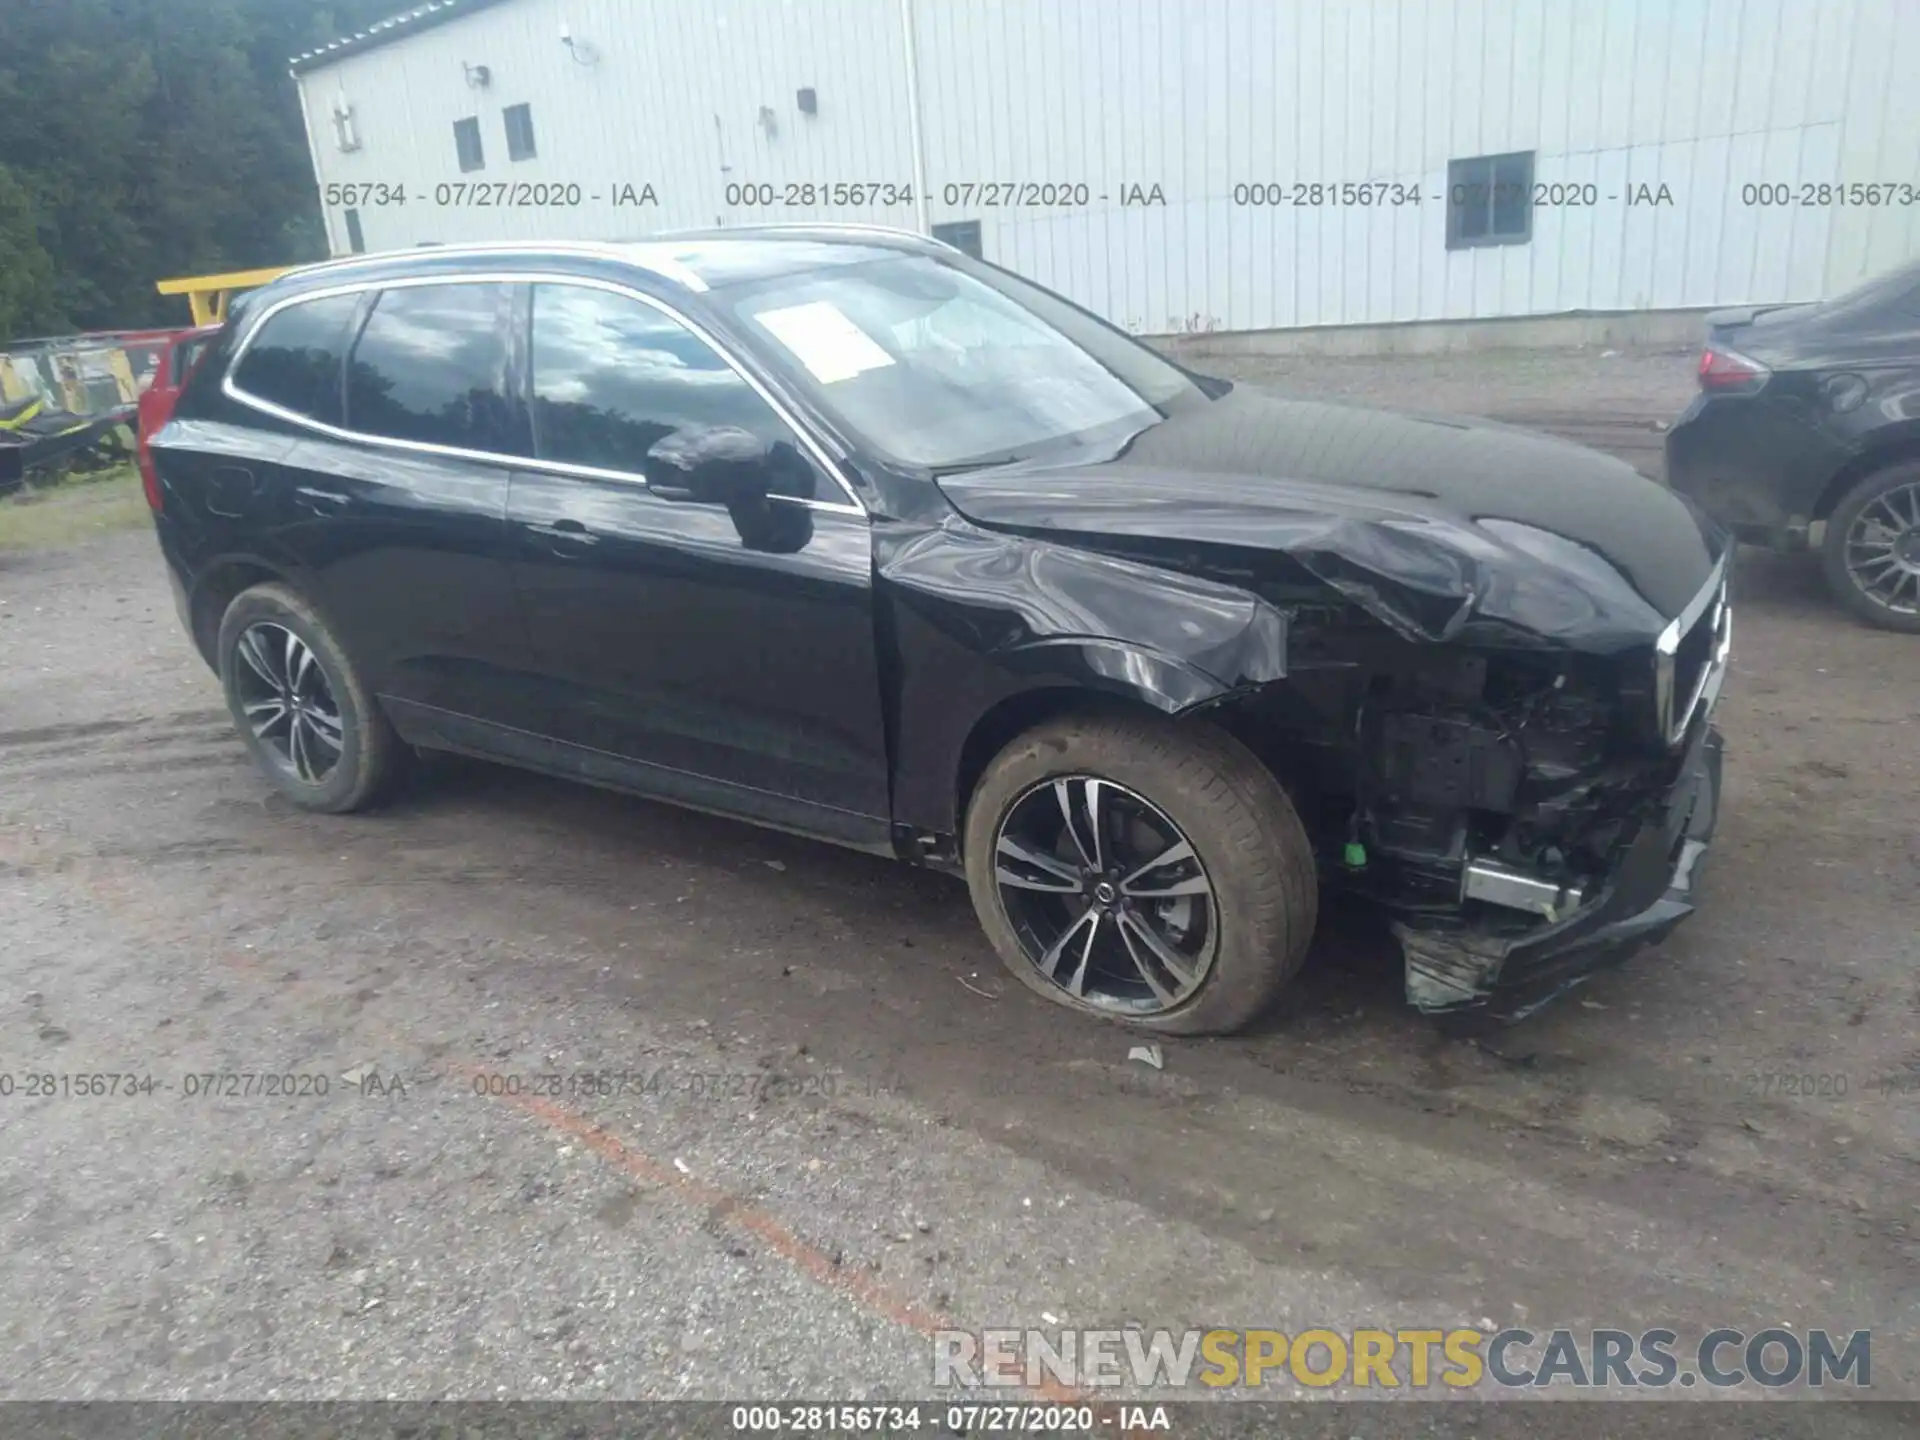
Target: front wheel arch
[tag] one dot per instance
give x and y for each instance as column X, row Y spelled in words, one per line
column 1013, row 715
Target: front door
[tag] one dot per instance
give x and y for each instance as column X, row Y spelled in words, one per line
column 721, row 658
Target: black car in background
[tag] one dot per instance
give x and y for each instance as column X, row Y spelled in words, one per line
column 844, row 532
column 1806, row 433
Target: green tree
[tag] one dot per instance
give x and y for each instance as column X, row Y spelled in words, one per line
column 148, row 139
column 26, row 270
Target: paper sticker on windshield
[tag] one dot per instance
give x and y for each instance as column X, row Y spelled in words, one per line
column 830, row 345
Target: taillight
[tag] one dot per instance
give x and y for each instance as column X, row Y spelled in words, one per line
column 1727, row 371
column 149, row 477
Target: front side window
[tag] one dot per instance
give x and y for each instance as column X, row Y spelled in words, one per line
column 293, row 360
column 613, row 377
column 945, row 368
column 430, row 366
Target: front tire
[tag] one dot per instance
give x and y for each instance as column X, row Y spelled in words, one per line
column 302, row 706
column 1871, row 556
column 1143, row 870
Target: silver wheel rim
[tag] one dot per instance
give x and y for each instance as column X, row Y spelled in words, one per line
column 286, row 702
column 1106, row 895
column 1883, row 549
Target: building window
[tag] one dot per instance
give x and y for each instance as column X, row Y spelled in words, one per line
column 519, row 120
column 466, row 140
column 963, row 235
column 356, row 240
column 346, row 135
column 1490, row 200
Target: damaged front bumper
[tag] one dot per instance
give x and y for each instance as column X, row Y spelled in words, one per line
column 1510, row 968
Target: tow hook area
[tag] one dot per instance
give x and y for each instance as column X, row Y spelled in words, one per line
column 1448, row 970
column 1511, row 965
column 1498, row 884
column 1451, row 968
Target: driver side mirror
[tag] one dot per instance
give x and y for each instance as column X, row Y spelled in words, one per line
column 710, row 465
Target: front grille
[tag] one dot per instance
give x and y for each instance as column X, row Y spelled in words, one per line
column 1690, row 657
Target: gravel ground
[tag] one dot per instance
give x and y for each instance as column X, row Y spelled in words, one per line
column 832, row 1125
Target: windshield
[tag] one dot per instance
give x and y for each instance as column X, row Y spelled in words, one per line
column 936, row 367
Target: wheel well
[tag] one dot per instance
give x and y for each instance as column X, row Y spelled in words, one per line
column 215, row 592
column 1856, row 469
column 1016, row 715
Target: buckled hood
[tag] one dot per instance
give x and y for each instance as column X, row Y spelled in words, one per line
column 1441, row 527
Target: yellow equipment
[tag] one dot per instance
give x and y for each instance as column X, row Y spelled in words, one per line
column 207, row 295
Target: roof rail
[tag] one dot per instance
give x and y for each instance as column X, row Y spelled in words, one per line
column 632, row 251
column 790, row 226
column 644, row 251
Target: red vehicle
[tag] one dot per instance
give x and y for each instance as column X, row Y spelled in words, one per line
column 183, row 351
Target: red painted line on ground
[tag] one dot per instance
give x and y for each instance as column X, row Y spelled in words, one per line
column 804, row 1256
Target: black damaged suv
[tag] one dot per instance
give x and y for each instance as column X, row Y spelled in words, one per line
column 840, row 531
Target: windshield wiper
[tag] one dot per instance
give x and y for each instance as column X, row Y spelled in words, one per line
column 968, row 467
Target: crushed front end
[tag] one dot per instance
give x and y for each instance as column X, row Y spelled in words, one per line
column 1524, row 815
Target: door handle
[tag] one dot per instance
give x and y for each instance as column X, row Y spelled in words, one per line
column 564, row 536
column 320, row 502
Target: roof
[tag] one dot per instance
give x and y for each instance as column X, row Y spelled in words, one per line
column 695, row 260
column 385, row 32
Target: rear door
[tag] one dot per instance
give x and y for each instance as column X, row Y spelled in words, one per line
column 720, row 658
column 392, row 493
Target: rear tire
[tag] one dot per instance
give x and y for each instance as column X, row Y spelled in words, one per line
column 302, row 706
column 1190, row 946
column 1873, row 544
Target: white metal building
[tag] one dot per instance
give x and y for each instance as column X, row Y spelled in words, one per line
column 1157, row 160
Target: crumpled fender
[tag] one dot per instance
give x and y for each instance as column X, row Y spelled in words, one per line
column 983, row 618
column 1038, row 608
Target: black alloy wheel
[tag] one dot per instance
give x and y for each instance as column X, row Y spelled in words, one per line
column 1106, row 895
column 1872, row 552
column 1883, row 549
column 301, row 704
column 1141, row 869
column 284, row 695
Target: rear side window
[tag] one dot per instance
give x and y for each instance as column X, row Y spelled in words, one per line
column 612, row 376
column 430, row 366
column 294, row 359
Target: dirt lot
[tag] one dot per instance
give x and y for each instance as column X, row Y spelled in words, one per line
column 842, row 1127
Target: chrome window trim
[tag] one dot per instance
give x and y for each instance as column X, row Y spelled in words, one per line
column 526, row 462
column 1675, row 721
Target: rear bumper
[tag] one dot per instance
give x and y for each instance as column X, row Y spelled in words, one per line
column 1512, row 972
column 1753, row 467
column 179, row 579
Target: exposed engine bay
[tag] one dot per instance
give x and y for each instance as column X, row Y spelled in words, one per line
column 1483, row 798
